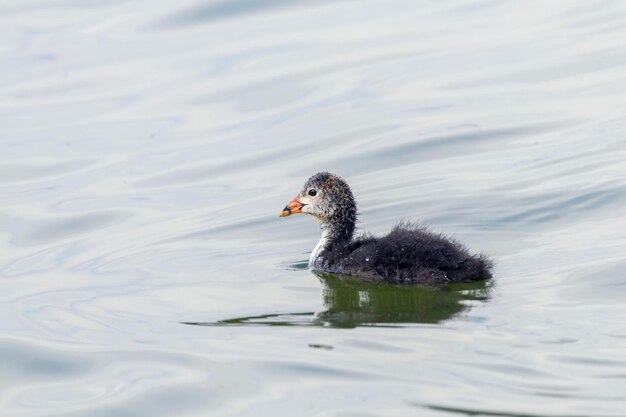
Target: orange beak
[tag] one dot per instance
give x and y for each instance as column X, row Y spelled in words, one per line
column 294, row 207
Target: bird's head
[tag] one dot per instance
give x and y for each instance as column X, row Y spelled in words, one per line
column 325, row 196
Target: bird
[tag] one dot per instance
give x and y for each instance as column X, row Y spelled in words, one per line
column 409, row 254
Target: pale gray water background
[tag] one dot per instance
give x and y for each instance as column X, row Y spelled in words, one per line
column 148, row 146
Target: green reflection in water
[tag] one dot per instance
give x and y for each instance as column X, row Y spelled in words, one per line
column 351, row 302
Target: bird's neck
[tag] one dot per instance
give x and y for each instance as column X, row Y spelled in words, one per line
column 337, row 232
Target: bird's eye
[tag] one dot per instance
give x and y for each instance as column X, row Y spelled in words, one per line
column 312, row 192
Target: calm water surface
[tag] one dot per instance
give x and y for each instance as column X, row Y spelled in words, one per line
column 148, row 146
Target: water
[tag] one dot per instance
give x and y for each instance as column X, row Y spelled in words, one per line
column 148, row 146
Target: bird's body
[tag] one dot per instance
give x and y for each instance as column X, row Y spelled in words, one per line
column 409, row 254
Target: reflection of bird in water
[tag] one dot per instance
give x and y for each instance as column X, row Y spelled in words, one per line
column 409, row 254
column 349, row 302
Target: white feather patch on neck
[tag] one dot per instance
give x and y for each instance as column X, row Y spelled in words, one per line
column 315, row 255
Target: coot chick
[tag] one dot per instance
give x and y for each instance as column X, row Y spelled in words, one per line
column 410, row 254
